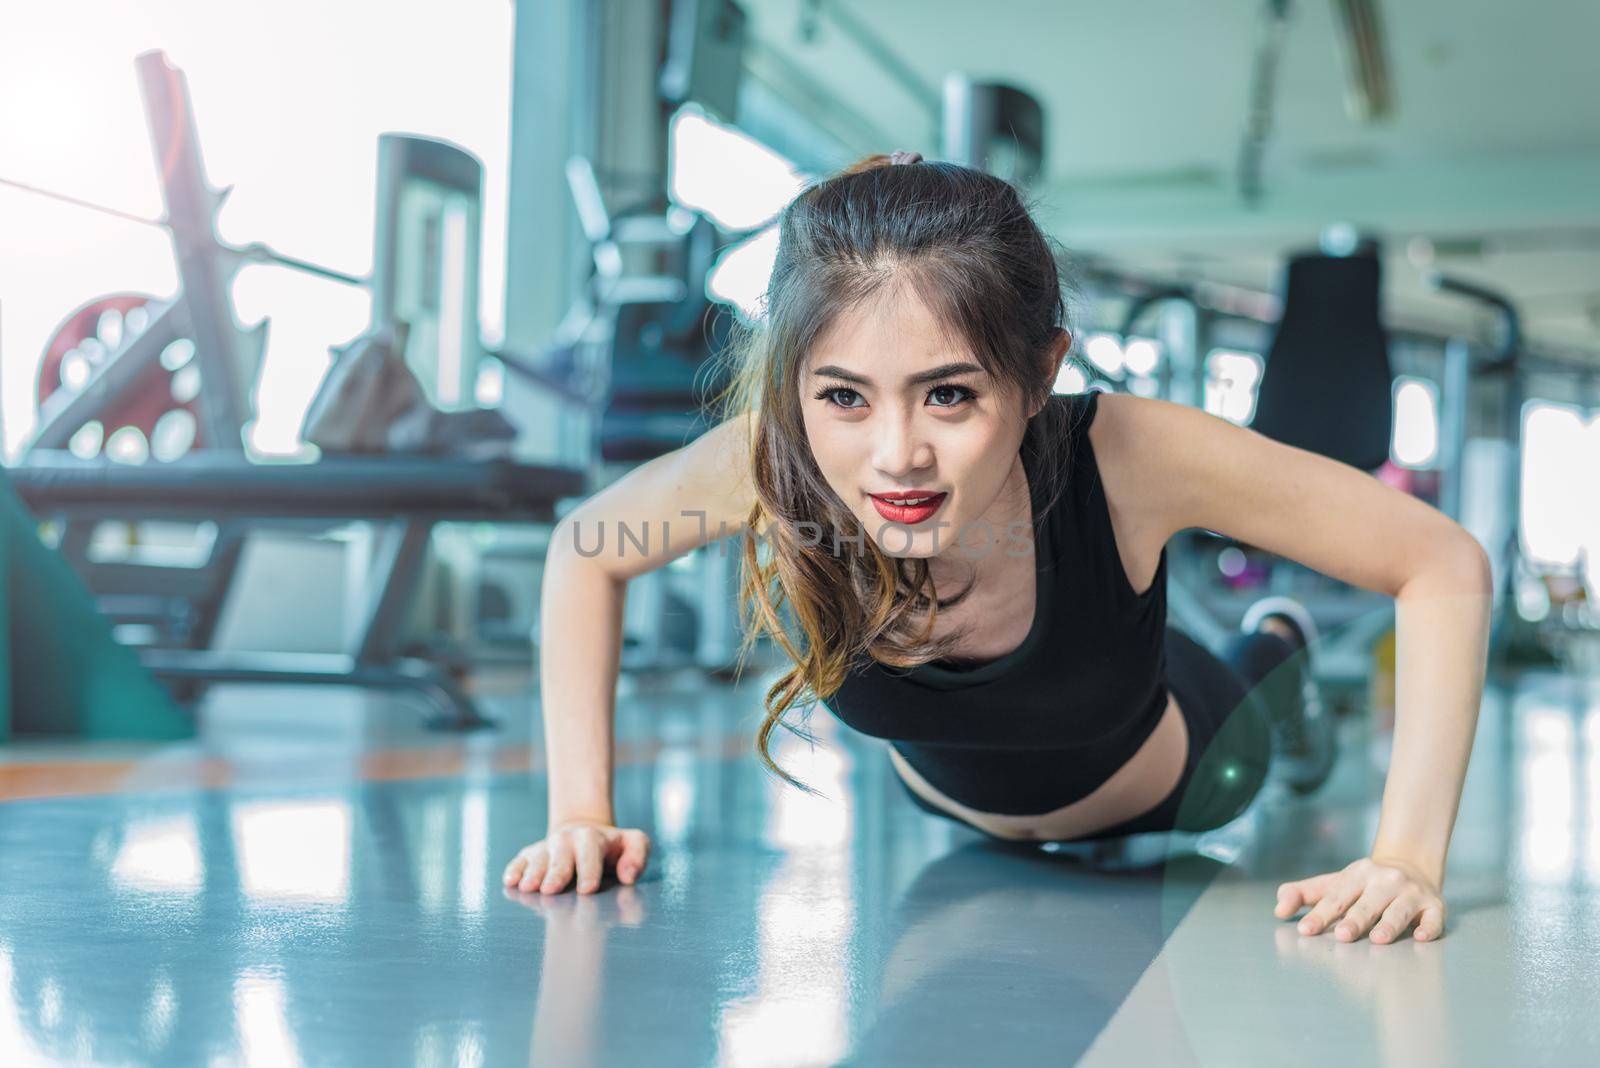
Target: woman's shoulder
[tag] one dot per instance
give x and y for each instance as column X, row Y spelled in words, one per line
column 1120, row 420
column 1137, row 444
column 1114, row 424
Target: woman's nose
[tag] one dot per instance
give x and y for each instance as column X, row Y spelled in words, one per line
column 900, row 449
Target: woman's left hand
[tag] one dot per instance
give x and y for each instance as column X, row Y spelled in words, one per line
column 1388, row 892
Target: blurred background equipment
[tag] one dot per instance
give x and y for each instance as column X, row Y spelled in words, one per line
column 705, row 56
column 154, row 368
column 61, row 670
column 1327, row 383
column 403, row 394
column 993, row 127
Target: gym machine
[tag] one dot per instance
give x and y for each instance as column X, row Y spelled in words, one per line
column 1327, row 386
column 1503, row 365
column 134, row 362
column 410, row 494
column 131, row 377
column 636, row 354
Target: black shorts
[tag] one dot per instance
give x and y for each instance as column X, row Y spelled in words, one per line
column 1230, row 736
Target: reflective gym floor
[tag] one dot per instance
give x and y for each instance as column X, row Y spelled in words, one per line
column 317, row 881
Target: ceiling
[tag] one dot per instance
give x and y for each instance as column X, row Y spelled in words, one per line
column 1492, row 152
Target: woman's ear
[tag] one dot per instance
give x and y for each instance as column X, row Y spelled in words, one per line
column 1058, row 352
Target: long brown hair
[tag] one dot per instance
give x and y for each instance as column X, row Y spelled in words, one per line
column 968, row 244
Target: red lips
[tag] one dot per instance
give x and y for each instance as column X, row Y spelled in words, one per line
column 909, row 514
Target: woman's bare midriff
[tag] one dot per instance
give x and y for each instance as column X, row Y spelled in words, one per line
column 1134, row 789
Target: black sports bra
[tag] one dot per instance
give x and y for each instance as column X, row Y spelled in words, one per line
column 1047, row 723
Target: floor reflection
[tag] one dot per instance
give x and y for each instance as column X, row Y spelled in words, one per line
column 363, row 921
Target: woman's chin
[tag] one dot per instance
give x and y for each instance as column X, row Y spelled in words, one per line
column 899, row 542
column 907, row 554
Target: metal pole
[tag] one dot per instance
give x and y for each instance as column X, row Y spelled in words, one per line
column 1454, row 405
column 204, row 270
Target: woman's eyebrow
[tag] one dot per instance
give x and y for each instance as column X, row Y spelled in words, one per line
column 946, row 370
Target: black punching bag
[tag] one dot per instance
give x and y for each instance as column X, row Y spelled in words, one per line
column 1327, row 382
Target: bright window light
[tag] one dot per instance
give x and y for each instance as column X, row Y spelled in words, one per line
column 1142, row 355
column 160, row 855
column 1560, row 452
column 295, row 849
column 725, row 173
column 1105, row 352
column 1231, row 382
column 1071, row 378
column 490, row 387
column 1416, row 422
column 741, row 273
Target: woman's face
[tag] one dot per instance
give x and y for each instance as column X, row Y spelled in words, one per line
column 892, row 410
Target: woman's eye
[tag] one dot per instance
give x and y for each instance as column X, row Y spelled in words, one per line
column 942, row 396
column 963, row 392
column 832, row 395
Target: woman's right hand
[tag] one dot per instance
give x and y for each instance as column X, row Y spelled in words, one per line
column 588, row 847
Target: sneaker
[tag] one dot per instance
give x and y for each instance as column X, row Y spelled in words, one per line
column 1304, row 738
column 1287, row 609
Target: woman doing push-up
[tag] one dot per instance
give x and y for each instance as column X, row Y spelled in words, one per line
column 958, row 560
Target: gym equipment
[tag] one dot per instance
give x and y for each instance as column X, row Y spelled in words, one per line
column 130, row 377
column 425, row 265
column 1328, row 386
column 188, row 362
column 408, row 384
column 84, row 342
column 648, row 336
column 371, row 402
column 657, row 384
column 635, row 355
column 993, row 127
column 658, row 329
column 660, row 332
column 138, row 378
column 424, row 286
column 1503, row 364
column 410, row 494
column 61, row 672
column 705, row 56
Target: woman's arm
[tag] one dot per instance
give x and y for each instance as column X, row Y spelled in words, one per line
column 652, row 515
column 1442, row 635
column 580, row 612
column 1201, row 471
